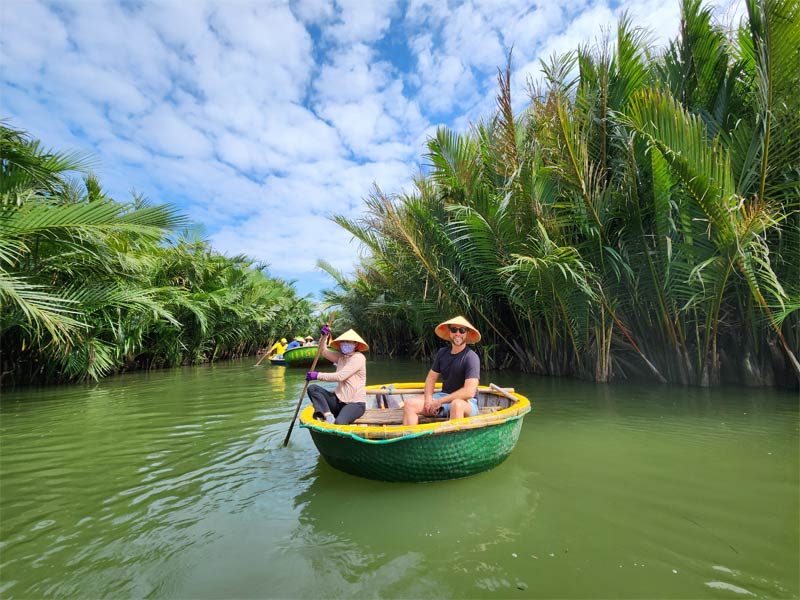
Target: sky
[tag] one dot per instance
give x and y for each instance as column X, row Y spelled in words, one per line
column 260, row 120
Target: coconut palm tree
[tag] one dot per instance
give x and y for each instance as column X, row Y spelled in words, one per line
column 90, row 286
column 638, row 219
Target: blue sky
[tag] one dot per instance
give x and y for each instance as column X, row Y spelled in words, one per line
column 261, row 119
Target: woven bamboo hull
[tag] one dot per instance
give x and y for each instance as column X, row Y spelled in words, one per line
column 430, row 451
column 445, row 456
column 300, row 357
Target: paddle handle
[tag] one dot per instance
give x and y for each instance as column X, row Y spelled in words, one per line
column 502, row 392
column 322, row 340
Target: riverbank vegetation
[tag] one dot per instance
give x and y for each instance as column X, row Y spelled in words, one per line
column 92, row 286
column 638, row 218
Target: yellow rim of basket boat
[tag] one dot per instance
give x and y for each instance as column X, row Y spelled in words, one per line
column 520, row 408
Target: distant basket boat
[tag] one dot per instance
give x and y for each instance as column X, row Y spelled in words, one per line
column 378, row 446
column 277, row 360
column 301, row 357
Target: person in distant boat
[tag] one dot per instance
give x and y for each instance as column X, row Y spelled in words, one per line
column 460, row 370
column 278, row 348
column 349, row 400
column 295, row 343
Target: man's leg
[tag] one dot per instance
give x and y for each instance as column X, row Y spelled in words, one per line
column 350, row 412
column 324, row 402
column 463, row 408
column 458, row 408
column 412, row 408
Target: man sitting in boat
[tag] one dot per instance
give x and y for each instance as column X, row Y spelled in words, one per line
column 460, row 369
column 349, row 400
column 278, row 348
column 309, row 341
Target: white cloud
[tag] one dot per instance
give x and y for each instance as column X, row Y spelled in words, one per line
column 526, row 31
column 298, row 233
column 294, row 244
column 124, row 151
column 444, row 80
column 469, row 35
column 363, row 99
column 115, row 90
column 296, row 133
column 428, row 14
column 260, row 119
column 313, row 12
column 359, row 21
column 358, row 121
column 167, row 132
column 30, row 35
column 589, row 27
column 350, row 74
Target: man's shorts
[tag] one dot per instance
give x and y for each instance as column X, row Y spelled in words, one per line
column 444, row 409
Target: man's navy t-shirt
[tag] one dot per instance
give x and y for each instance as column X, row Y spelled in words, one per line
column 455, row 368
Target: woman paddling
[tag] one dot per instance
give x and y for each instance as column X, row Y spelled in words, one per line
column 349, row 400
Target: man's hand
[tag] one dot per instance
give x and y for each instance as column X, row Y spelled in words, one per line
column 430, row 407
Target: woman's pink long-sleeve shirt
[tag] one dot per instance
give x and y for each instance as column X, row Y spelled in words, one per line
column 351, row 374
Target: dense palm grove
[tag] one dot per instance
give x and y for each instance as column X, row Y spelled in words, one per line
column 640, row 218
column 91, row 286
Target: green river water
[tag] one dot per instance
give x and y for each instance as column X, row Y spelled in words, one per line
column 175, row 484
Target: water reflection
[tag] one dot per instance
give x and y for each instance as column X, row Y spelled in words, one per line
column 275, row 376
column 418, row 536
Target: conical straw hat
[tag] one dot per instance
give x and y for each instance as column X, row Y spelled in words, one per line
column 443, row 329
column 351, row 336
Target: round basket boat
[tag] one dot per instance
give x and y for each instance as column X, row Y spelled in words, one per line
column 379, row 446
column 277, row 361
column 302, row 356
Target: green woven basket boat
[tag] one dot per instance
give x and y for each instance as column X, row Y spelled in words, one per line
column 378, row 446
column 301, row 357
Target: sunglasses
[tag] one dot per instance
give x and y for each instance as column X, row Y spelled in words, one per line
column 458, row 330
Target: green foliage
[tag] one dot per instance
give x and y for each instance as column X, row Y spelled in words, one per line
column 640, row 219
column 90, row 286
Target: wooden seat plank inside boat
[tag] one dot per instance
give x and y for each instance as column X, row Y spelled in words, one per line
column 394, row 416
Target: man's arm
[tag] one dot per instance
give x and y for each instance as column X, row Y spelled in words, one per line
column 466, row 392
column 427, row 394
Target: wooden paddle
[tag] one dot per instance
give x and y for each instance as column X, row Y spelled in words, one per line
column 265, row 355
column 503, row 392
column 305, row 387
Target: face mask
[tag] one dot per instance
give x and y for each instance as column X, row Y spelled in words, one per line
column 347, row 347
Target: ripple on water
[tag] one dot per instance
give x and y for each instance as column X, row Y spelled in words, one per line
column 728, row 587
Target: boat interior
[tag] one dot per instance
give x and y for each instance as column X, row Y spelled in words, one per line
column 385, row 406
